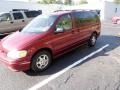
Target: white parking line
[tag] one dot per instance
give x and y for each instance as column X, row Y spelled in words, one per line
column 52, row 77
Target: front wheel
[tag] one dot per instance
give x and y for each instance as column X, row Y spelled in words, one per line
column 92, row 40
column 41, row 61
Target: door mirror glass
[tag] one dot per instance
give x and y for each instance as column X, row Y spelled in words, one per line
column 59, row 30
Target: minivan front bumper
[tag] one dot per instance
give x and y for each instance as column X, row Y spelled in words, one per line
column 15, row 65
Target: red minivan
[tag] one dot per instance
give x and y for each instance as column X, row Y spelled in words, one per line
column 47, row 37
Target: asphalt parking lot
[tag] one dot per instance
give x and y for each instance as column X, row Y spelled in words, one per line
column 101, row 71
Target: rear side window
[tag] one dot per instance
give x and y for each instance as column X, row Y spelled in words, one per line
column 31, row 14
column 84, row 18
column 78, row 18
column 65, row 22
column 17, row 16
column 95, row 15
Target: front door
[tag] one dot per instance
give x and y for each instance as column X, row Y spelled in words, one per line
column 63, row 40
column 6, row 23
column 19, row 20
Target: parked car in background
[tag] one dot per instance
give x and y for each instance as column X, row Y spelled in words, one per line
column 47, row 37
column 116, row 20
column 15, row 20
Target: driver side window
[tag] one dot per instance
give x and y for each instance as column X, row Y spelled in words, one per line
column 65, row 22
column 5, row 17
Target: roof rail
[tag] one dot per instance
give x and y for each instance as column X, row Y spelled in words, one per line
column 61, row 10
column 76, row 10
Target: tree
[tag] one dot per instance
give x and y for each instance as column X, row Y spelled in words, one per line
column 117, row 1
column 59, row 2
column 83, row 2
column 47, row 1
column 68, row 2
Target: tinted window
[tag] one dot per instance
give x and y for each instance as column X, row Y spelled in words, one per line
column 31, row 14
column 5, row 17
column 89, row 17
column 65, row 22
column 93, row 16
column 82, row 15
column 84, row 18
column 18, row 16
column 79, row 14
column 78, row 18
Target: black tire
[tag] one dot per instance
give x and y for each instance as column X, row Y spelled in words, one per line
column 36, row 64
column 92, row 40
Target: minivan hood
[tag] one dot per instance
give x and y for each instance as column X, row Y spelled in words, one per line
column 19, row 40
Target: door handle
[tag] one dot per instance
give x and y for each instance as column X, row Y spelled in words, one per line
column 23, row 20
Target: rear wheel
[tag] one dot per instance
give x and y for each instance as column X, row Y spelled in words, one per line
column 41, row 61
column 92, row 40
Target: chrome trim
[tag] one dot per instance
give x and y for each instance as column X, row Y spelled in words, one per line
column 25, row 63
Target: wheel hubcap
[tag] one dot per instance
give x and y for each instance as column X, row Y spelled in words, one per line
column 42, row 61
column 93, row 40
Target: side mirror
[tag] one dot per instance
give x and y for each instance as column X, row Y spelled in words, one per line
column 59, row 30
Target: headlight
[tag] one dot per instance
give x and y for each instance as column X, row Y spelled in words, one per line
column 17, row 54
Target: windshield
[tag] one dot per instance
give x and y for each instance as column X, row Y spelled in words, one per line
column 41, row 23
